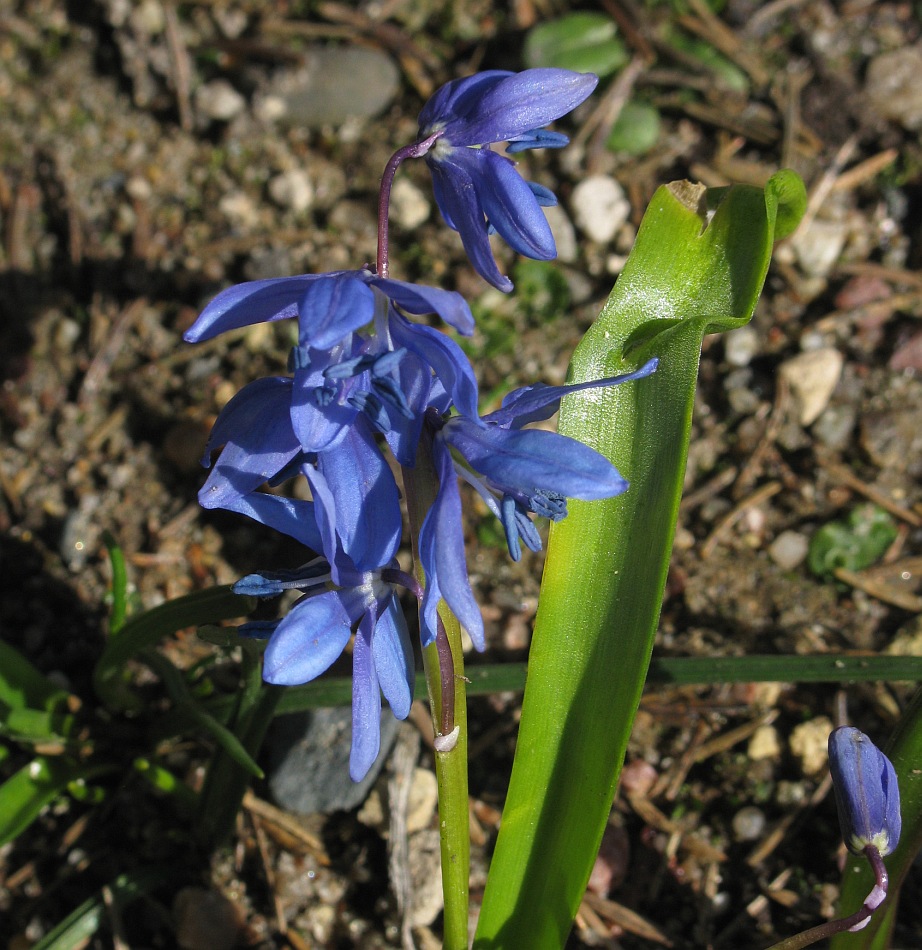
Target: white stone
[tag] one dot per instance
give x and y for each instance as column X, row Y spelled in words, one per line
column 789, row 549
column 809, row 742
column 239, row 208
column 740, row 346
column 599, row 207
column 893, row 85
column 218, row 100
column 409, row 205
column 292, row 189
column 564, row 234
column 764, row 744
column 813, row 377
column 818, row 246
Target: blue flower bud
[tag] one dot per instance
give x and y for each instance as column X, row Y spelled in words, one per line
column 867, row 795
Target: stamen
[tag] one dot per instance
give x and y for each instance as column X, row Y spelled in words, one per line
column 315, row 573
column 374, row 410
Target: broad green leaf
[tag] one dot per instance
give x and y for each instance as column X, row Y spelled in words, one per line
column 28, row 791
column 905, row 752
column 636, row 130
column 586, row 42
column 854, row 542
column 149, row 628
column 22, row 686
column 689, row 274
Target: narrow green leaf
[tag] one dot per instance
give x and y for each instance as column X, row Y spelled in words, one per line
column 689, row 274
column 28, row 791
column 36, row 725
column 149, row 628
column 75, row 930
column 22, row 686
column 119, row 588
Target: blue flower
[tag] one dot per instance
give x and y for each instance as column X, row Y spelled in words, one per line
column 341, row 373
column 518, row 473
column 867, row 795
column 477, row 189
column 328, row 306
column 317, row 629
column 356, row 506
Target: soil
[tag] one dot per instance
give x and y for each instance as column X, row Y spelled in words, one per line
column 145, row 164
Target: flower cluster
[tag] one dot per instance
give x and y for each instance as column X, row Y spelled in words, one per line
column 367, row 376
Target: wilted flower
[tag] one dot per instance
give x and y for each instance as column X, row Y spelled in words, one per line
column 867, row 795
column 477, row 189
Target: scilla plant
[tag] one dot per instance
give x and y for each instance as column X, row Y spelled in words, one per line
column 369, row 376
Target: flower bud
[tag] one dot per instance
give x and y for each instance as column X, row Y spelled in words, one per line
column 867, row 795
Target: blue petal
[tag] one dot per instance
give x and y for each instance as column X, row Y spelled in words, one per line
column 417, row 299
column 393, row 658
column 441, row 551
column 292, row 517
column 259, row 441
column 520, row 103
column 257, row 301
column 457, row 97
column 508, row 202
column 460, row 205
column 415, row 384
column 534, row 459
column 366, row 703
column 365, row 499
column 318, row 427
column 333, row 307
column 446, row 358
column 307, row 641
column 538, row 402
column 867, row 795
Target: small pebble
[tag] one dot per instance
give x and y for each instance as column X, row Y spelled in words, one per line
column 892, row 84
column 292, row 189
column 813, row 377
column 219, row 101
column 809, row 743
column 789, row 549
column 205, row 920
column 748, row 823
column 764, row 744
column 741, row 345
column 818, row 246
column 599, row 207
column 836, row 426
column 409, row 205
column 564, row 234
column 239, row 208
column 638, row 777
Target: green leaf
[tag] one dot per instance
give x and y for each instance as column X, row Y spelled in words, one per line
column 854, row 542
column 689, row 274
column 22, row 686
column 149, row 628
column 586, row 42
column 28, row 791
column 637, row 129
column 119, row 589
column 79, row 926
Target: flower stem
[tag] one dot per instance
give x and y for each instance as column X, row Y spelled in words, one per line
column 853, row 922
column 443, row 665
column 416, row 150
